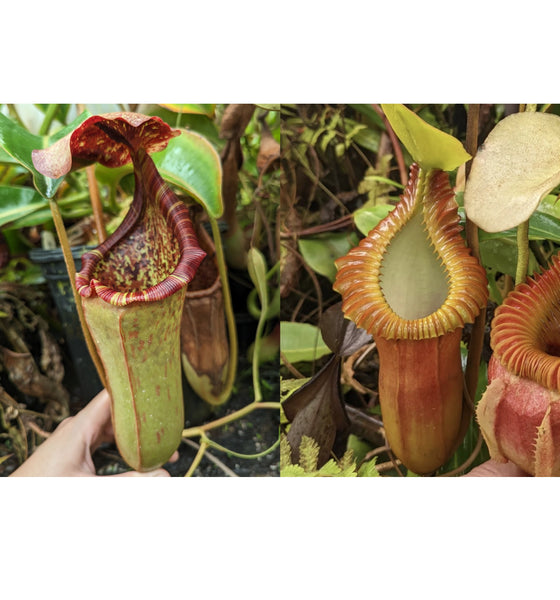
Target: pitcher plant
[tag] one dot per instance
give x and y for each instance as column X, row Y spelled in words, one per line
column 133, row 285
column 413, row 284
column 519, row 413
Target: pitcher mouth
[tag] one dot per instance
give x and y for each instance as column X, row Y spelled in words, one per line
column 526, row 329
column 413, row 277
column 152, row 254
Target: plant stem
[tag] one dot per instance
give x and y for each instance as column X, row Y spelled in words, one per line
column 94, row 196
column 49, row 117
column 71, row 269
column 96, row 204
column 197, row 459
column 242, row 412
column 256, row 260
column 212, row 444
column 522, row 252
column 471, row 230
column 395, row 143
column 213, row 459
column 228, row 307
column 256, row 355
column 523, row 229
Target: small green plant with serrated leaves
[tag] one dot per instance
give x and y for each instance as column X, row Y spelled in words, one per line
column 307, row 467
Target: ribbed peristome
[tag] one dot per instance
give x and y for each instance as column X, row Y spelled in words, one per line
column 153, row 253
column 456, row 280
column 526, row 329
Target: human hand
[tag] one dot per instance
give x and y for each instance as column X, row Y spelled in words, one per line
column 493, row 468
column 67, row 452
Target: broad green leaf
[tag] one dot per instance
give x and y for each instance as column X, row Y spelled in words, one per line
column 193, row 109
column 550, row 205
column 192, row 164
column 6, row 158
column 428, row 146
column 542, row 226
column 370, row 113
column 321, row 251
column 18, row 202
column 19, row 144
column 301, row 342
column 72, row 206
column 368, row 138
column 366, row 219
column 500, row 255
column 518, row 165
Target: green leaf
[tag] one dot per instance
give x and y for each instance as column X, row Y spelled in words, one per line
column 301, row 342
column 321, row 251
column 19, row 144
column 289, row 386
column 6, row 158
column 544, row 223
column 359, row 446
column 192, row 164
column 368, row 138
column 518, row 165
column 543, row 226
column 428, row 146
column 369, row 468
column 550, row 205
column 193, row 109
column 18, row 202
column 366, row 219
column 500, row 255
column 294, row 471
column 308, row 454
column 370, row 113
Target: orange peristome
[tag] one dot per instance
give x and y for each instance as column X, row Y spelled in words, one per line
column 519, row 414
column 428, row 198
column 421, row 397
column 413, row 284
column 526, row 329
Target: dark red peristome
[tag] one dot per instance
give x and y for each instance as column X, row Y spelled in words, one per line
column 133, row 285
column 158, row 232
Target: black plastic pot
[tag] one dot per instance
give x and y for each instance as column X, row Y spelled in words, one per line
column 54, row 270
